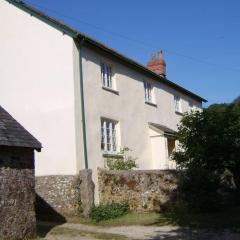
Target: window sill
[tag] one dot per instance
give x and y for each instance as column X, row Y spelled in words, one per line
column 151, row 104
column 110, row 90
column 179, row 113
column 112, row 155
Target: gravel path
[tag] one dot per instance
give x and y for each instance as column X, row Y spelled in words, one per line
column 150, row 233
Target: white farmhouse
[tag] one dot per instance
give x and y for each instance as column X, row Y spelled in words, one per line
column 82, row 99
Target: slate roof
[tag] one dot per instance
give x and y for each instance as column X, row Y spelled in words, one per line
column 93, row 43
column 14, row 134
column 166, row 130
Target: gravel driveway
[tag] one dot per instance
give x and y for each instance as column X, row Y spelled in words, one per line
column 142, row 233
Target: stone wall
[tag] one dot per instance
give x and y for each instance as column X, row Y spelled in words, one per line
column 144, row 190
column 67, row 195
column 59, row 192
column 86, row 191
column 17, row 194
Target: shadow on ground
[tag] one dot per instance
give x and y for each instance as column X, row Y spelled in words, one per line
column 45, row 213
column 221, row 225
column 188, row 234
column 228, row 218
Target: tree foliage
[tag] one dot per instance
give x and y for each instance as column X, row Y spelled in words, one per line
column 122, row 161
column 210, row 140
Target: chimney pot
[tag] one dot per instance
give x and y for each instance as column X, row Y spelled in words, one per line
column 157, row 65
column 160, row 55
column 153, row 56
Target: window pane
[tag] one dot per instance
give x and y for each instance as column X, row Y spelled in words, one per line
column 177, row 103
column 103, row 73
column 108, row 138
column 148, row 91
column 106, row 73
column 114, row 142
column 103, row 137
column 109, row 77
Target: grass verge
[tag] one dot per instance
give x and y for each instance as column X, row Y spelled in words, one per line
column 75, row 233
column 225, row 219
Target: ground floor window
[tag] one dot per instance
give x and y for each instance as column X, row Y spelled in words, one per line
column 109, row 136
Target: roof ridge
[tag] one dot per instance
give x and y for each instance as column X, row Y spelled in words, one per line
column 93, row 42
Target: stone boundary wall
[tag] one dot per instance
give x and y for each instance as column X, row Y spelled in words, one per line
column 59, row 192
column 144, row 190
column 67, row 195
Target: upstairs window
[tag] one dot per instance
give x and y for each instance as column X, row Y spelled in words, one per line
column 109, row 139
column 177, row 103
column 148, row 92
column 191, row 107
column 106, row 74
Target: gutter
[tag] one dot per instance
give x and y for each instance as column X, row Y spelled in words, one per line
column 91, row 42
column 97, row 45
column 83, row 121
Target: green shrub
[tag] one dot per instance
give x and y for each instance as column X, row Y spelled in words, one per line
column 210, row 141
column 109, row 211
column 122, row 162
column 200, row 190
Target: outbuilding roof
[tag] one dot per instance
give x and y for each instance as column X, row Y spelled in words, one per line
column 13, row 134
column 88, row 41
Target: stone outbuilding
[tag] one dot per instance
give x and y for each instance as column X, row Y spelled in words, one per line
column 17, row 184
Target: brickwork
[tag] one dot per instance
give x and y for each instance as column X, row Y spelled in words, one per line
column 157, row 65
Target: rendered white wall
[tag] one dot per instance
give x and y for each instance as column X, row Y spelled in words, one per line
column 129, row 108
column 37, row 86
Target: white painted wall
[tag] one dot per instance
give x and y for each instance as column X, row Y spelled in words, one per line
column 129, row 108
column 37, row 86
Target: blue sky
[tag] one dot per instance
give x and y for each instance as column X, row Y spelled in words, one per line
column 200, row 39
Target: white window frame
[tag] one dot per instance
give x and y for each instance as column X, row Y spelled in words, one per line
column 109, row 136
column 177, row 104
column 191, row 107
column 107, row 75
column 148, row 91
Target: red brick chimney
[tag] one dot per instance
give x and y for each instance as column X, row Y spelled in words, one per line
column 157, row 65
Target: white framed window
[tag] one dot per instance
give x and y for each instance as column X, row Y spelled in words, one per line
column 191, row 107
column 177, row 104
column 148, row 92
column 106, row 75
column 109, row 135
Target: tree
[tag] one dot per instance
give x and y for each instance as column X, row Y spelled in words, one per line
column 210, row 140
column 236, row 100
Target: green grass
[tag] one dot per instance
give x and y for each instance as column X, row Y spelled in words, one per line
column 225, row 219
column 126, row 220
column 132, row 219
column 69, row 232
